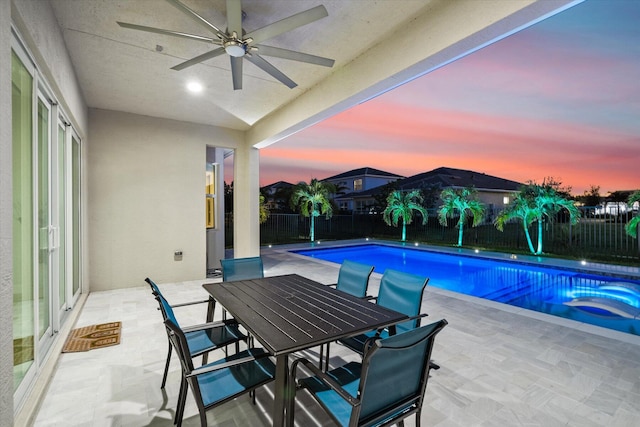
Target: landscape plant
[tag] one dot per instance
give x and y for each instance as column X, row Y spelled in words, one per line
column 536, row 203
column 632, row 226
column 313, row 199
column 400, row 206
column 264, row 210
column 462, row 202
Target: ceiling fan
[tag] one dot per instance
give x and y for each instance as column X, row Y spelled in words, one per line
column 240, row 45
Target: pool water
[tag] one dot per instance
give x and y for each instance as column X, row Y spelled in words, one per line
column 605, row 301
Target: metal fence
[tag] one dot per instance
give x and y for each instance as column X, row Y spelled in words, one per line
column 594, row 237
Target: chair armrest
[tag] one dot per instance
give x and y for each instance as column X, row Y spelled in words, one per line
column 212, row 368
column 322, row 376
column 209, row 325
column 392, row 327
column 184, row 304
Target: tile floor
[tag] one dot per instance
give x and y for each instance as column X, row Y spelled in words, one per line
column 501, row 366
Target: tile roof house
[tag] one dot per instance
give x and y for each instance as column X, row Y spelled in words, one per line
column 358, row 180
column 492, row 191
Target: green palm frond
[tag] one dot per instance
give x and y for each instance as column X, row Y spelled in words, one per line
column 460, row 201
column 532, row 204
column 313, row 199
column 632, row 226
column 401, row 205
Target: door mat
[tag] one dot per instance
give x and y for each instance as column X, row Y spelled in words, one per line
column 93, row 337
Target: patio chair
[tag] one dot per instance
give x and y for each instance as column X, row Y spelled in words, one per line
column 202, row 338
column 220, row 381
column 239, row 269
column 242, row 268
column 398, row 291
column 386, row 388
column 353, row 278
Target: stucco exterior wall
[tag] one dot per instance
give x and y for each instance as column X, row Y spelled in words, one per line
column 146, row 198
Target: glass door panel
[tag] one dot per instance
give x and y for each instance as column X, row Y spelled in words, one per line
column 62, row 202
column 23, row 219
column 75, row 215
column 44, row 221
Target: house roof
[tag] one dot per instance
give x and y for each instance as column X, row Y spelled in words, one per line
column 444, row 177
column 449, row 177
column 361, row 172
column 279, row 184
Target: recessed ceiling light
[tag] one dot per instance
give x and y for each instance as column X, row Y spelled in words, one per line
column 194, row 87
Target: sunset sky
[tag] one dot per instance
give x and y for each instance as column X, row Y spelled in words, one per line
column 560, row 99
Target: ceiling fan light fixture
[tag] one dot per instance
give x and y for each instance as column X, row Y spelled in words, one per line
column 234, row 48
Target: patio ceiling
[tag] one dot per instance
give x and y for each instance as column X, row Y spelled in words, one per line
column 376, row 45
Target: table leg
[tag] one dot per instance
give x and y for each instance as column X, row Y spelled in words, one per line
column 280, row 417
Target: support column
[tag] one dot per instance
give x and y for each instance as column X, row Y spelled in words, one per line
column 246, row 202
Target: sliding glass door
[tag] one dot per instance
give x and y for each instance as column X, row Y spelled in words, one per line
column 23, row 218
column 46, row 218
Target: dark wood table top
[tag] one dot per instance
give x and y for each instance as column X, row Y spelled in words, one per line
column 290, row 313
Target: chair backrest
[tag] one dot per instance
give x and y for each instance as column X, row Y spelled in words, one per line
column 167, row 311
column 402, row 292
column 242, row 268
column 353, row 278
column 154, row 288
column 394, row 374
column 179, row 342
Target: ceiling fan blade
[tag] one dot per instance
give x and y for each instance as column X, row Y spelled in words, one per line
column 234, row 17
column 260, row 62
column 236, row 72
column 288, row 24
column 294, row 56
column 199, row 19
column 200, row 58
column 168, row 32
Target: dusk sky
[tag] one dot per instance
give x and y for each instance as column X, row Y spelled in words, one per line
column 560, row 99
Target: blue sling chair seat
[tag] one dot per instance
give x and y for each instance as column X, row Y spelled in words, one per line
column 220, row 381
column 386, row 388
column 201, row 339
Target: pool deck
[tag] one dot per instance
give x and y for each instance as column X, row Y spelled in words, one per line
column 500, row 365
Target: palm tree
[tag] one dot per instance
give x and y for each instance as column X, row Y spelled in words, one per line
column 313, row 199
column 460, row 200
column 264, row 210
column 400, row 205
column 632, row 226
column 532, row 204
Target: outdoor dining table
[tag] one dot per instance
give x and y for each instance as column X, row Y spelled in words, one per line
column 290, row 313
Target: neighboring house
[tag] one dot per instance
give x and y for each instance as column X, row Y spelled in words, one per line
column 358, row 180
column 277, row 195
column 492, row 191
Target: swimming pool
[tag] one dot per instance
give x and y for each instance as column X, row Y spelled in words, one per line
column 605, row 301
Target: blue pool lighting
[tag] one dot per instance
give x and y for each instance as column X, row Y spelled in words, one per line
column 606, row 301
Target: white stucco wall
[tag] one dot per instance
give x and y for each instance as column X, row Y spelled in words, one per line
column 146, row 183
